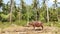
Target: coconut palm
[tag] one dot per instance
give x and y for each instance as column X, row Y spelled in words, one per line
column 11, row 9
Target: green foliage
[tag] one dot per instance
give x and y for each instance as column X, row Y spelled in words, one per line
column 5, row 8
column 6, row 17
column 21, row 22
column 25, row 12
column 56, row 24
column 1, row 3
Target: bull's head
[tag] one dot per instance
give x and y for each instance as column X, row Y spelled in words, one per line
column 30, row 23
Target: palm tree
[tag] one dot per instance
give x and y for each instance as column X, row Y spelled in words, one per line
column 55, row 7
column 5, row 8
column 47, row 11
column 35, row 7
column 55, row 4
column 1, row 2
column 11, row 9
column 44, row 10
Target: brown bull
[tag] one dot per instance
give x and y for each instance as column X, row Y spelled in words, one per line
column 36, row 24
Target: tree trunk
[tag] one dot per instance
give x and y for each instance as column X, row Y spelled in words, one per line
column 27, row 16
column 47, row 12
column 11, row 9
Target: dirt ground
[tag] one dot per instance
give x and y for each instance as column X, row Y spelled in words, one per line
column 30, row 30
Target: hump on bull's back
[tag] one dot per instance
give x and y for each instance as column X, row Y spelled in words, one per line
column 38, row 24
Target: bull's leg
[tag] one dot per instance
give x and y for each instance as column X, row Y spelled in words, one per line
column 42, row 27
column 34, row 28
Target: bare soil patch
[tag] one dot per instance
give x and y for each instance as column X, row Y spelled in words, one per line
column 30, row 30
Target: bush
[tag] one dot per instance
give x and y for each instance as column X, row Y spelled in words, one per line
column 21, row 22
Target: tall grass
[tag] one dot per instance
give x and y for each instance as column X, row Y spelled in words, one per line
column 24, row 22
column 56, row 24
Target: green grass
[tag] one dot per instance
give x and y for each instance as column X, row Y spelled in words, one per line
column 56, row 24
column 7, row 24
column 4, row 24
column 23, row 22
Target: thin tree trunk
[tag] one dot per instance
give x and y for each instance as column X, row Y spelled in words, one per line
column 11, row 9
column 27, row 16
column 56, row 7
column 36, row 2
column 47, row 12
column 19, row 16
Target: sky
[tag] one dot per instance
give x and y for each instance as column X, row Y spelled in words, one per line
column 29, row 2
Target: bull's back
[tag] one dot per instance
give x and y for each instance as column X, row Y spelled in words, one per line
column 37, row 24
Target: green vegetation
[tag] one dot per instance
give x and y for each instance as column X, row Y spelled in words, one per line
column 23, row 13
